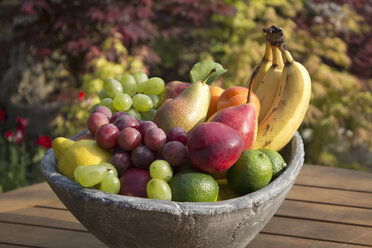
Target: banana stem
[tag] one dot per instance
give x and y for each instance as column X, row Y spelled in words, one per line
column 287, row 57
column 250, row 85
column 277, row 57
column 268, row 56
column 208, row 76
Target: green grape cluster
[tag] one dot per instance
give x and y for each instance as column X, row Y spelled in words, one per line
column 100, row 176
column 135, row 94
column 158, row 188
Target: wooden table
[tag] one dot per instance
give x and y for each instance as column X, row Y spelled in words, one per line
column 327, row 207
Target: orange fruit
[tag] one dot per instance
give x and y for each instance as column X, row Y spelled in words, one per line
column 236, row 95
column 216, row 91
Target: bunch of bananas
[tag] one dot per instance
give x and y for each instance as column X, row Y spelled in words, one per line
column 283, row 87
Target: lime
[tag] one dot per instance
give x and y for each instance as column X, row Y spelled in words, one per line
column 251, row 172
column 193, row 186
column 277, row 161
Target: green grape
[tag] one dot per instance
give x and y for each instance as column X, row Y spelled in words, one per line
column 118, row 77
column 148, row 115
column 108, row 102
column 155, row 100
column 110, row 184
column 161, row 169
column 102, row 95
column 112, row 87
column 122, row 102
column 154, row 86
column 158, row 189
column 77, row 172
column 91, row 175
column 129, row 84
column 140, row 78
column 93, row 108
column 142, row 102
column 110, row 169
column 134, row 113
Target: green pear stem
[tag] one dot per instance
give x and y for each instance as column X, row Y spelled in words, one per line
column 250, row 85
column 208, row 76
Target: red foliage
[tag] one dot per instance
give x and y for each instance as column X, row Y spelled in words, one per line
column 2, row 115
column 76, row 27
column 359, row 45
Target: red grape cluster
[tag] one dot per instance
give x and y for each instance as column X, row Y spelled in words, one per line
column 136, row 144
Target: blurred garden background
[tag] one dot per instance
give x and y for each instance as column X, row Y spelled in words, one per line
column 55, row 55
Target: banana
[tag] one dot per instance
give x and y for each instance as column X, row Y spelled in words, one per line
column 289, row 107
column 263, row 66
column 268, row 88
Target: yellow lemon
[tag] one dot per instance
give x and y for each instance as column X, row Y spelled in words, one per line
column 82, row 152
column 225, row 192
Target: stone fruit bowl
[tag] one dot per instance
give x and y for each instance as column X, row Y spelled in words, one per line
column 124, row 221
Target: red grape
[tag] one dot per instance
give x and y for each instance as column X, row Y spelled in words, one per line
column 155, row 139
column 142, row 157
column 96, row 120
column 175, row 153
column 177, row 134
column 129, row 138
column 126, row 121
column 145, row 126
column 103, row 110
column 121, row 161
column 107, row 136
column 134, row 182
column 117, row 115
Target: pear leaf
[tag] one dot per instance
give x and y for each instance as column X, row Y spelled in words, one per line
column 201, row 70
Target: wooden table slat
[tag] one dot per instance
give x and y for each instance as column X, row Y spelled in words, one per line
column 53, row 204
column 324, row 176
column 46, row 237
column 43, row 217
column 349, row 234
column 331, row 196
column 279, row 241
column 26, row 197
column 325, row 212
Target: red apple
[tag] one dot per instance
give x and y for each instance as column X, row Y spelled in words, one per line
column 214, row 147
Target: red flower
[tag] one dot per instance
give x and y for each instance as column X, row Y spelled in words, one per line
column 16, row 137
column 21, row 121
column 2, row 115
column 44, row 141
column 8, row 134
column 81, row 95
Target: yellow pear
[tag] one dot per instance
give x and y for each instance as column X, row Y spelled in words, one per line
column 60, row 145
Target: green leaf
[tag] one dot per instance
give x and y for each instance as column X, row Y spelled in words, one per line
column 201, row 70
